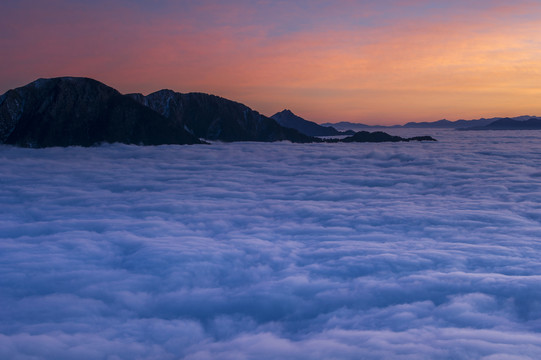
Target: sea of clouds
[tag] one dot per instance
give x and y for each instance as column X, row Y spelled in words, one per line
column 274, row 251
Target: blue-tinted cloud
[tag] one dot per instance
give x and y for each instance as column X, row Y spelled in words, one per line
column 270, row 251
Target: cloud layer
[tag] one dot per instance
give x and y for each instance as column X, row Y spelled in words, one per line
column 246, row 250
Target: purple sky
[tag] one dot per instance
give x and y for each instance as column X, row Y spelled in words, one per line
column 385, row 62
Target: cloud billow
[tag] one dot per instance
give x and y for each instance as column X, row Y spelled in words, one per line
column 272, row 250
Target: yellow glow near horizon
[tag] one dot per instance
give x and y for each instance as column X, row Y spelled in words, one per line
column 483, row 64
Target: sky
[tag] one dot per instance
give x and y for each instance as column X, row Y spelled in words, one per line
column 273, row 250
column 375, row 62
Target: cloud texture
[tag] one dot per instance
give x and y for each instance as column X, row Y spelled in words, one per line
column 246, row 250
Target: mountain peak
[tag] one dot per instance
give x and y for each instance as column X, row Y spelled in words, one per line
column 288, row 119
column 67, row 111
column 215, row 118
column 284, row 113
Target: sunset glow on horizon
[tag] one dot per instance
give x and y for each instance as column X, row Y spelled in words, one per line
column 376, row 62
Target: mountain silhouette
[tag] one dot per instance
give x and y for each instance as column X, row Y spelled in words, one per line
column 215, row 118
column 70, row 111
column 288, row 119
column 76, row 111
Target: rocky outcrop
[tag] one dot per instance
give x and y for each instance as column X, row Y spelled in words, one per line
column 80, row 111
column 379, row 136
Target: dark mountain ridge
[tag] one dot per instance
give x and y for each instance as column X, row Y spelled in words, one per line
column 346, row 126
column 215, row 118
column 379, row 136
column 440, row 124
column 509, row 124
column 81, row 111
column 71, row 111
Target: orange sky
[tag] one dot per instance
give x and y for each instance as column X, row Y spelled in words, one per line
column 376, row 62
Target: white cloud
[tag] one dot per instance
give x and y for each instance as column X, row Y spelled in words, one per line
column 247, row 250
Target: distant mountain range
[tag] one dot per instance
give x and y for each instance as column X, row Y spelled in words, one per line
column 509, row 124
column 346, row 125
column 74, row 111
column 441, row 124
column 458, row 124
